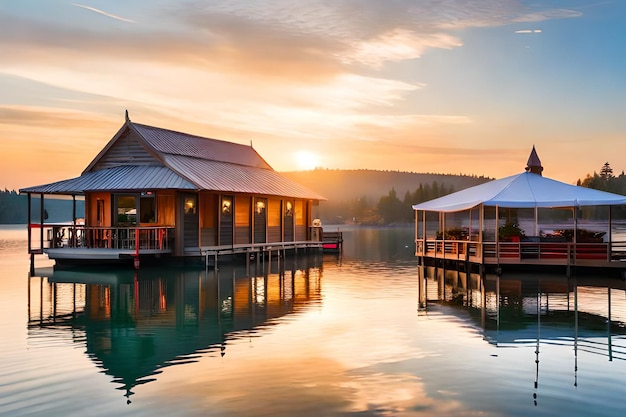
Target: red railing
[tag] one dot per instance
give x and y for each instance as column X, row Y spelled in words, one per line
column 80, row 236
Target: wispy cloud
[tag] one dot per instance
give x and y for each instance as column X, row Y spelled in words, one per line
column 524, row 31
column 102, row 12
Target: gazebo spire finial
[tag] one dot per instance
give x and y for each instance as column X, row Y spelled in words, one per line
column 534, row 164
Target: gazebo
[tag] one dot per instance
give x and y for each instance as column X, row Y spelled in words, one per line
column 523, row 219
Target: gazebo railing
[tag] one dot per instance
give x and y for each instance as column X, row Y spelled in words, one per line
column 523, row 252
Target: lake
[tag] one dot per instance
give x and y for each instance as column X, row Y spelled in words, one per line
column 323, row 335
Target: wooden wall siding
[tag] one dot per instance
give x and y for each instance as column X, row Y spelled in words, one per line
column 208, row 236
column 91, row 207
column 273, row 234
column 300, row 215
column 242, row 235
column 208, row 219
column 300, row 233
column 242, row 219
column 273, row 220
column 242, row 211
column 126, row 151
column 166, row 209
column 208, row 210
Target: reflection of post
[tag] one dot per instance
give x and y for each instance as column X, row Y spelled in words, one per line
column 538, row 338
column 421, row 277
column 608, row 328
column 575, row 334
column 498, row 302
column 483, row 301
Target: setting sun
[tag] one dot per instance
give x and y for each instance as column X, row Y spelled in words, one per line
column 306, row 160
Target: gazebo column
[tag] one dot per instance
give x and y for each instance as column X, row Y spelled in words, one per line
column 497, row 234
column 481, row 223
column 41, row 219
column 574, row 238
column 30, row 249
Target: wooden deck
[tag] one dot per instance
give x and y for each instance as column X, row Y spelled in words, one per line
column 99, row 254
column 611, row 255
column 78, row 244
column 252, row 248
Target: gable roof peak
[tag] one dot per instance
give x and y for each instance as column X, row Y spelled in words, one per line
column 534, row 163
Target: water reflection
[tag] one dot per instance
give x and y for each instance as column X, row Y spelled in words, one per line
column 508, row 307
column 586, row 313
column 134, row 323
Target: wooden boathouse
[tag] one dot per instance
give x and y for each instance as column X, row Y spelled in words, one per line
column 157, row 193
column 524, row 219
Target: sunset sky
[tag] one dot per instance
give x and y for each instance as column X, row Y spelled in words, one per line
column 440, row 86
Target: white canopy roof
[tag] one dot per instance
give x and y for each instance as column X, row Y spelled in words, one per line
column 525, row 190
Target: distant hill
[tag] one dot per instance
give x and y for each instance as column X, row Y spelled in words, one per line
column 376, row 197
column 341, row 185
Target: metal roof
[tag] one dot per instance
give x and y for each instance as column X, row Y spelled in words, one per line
column 122, row 178
column 225, row 177
column 170, row 142
column 525, row 190
column 190, row 163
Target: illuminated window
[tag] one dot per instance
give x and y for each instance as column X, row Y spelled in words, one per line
column 260, row 207
column 190, row 205
column 226, row 205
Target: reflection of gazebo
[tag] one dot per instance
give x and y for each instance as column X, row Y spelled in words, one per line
column 524, row 219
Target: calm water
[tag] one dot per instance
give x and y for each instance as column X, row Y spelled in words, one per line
column 312, row 336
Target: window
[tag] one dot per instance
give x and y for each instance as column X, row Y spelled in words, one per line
column 226, row 205
column 126, row 210
column 190, row 205
column 147, row 207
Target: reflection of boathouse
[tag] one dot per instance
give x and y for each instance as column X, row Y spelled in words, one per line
column 153, row 192
column 524, row 219
column 137, row 322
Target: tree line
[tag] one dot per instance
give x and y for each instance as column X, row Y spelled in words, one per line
column 605, row 180
column 13, row 207
column 389, row 209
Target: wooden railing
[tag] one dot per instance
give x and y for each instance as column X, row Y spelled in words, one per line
column 80, row 236
column 559, row 252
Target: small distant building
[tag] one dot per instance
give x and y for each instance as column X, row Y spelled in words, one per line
column 524, row 219
column 153, row 192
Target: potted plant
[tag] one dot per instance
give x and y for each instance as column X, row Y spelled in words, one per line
column 510, row 232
